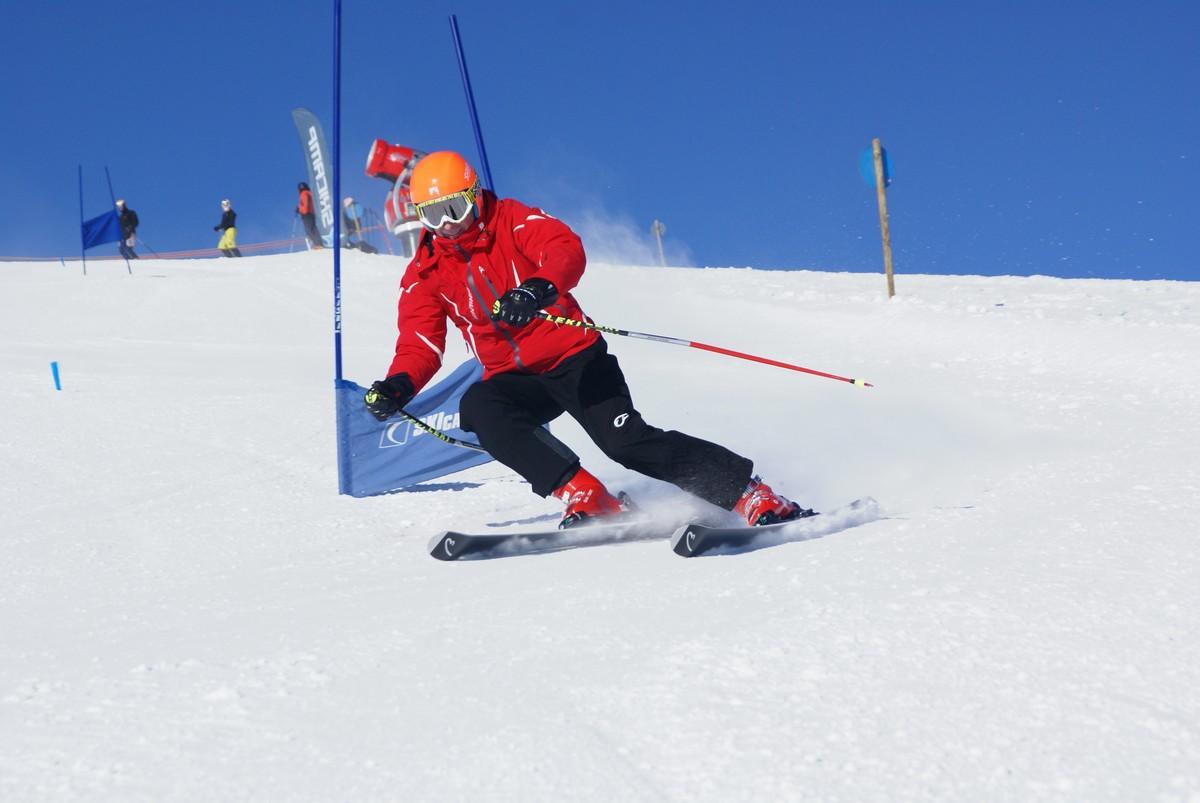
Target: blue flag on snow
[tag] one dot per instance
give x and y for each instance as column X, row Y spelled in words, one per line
column 378, row 457
column 102, row 229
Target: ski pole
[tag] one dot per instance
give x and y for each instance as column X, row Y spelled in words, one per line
column 437, row 433
column 675, row 341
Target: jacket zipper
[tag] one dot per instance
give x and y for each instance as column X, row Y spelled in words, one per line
column 485, row 307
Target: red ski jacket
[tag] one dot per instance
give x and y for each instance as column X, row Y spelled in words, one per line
column 459, row 279
column 306, row 203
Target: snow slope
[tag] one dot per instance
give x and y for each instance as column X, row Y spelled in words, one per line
column 190, row 612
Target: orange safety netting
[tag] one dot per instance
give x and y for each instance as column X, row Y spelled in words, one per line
column 272, row 245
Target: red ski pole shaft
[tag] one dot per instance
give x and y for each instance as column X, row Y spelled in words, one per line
column 558, row 319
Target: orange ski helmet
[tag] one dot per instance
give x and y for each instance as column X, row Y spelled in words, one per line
column 439, row 174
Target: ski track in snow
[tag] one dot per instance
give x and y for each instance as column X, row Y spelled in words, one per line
column 190, row 612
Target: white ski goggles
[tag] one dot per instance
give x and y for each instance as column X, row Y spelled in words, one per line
column 451, row 209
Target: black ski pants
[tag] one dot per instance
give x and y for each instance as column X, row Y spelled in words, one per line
column 507, row 412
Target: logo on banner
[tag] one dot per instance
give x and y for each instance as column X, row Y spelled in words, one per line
column 319, row 178
column 399, row 433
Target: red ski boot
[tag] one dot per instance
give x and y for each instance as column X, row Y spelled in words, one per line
column 587, row 500
column 760, row 505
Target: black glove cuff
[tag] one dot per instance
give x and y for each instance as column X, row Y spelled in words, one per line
column 400, row 388
column 543, row 291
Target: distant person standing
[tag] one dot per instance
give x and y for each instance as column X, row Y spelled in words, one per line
column 308, row 214
column 351, row 212
column 129, row 223
column 352, row 215
column 228, row 225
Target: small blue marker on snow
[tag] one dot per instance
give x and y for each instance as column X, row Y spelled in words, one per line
column 54, row 373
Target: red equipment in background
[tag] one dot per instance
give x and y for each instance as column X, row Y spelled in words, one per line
column 390, row 161
column 394, row 164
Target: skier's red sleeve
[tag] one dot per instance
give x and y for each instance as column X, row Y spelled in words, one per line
column 422, row 323
column 551, row 246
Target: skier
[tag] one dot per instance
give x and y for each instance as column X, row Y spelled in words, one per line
column 308, row 215
column 352, row 227
column 490, row 265
column 129, row 223
column 228, row 225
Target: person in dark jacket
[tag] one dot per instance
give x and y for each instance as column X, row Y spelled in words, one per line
column 490, row 266
column 308, row 214
column 228, row 225
column 129, row 224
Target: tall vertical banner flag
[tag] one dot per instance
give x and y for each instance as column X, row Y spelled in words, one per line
column 320, row 175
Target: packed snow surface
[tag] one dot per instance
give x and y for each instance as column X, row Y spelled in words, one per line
column 190, row 612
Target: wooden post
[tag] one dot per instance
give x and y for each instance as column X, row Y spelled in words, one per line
column 881, row 193
column 657, row 228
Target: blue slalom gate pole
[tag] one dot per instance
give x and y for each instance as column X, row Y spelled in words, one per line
column 337, row 190
column 466, row 78
column 112, row 198
column 54, row 373
column 342, row 400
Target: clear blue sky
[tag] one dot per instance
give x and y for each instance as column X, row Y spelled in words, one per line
column 1027, row 137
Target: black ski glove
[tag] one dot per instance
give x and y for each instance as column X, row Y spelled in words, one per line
column 520, row 305
column 216, row 228
column 387, row 396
